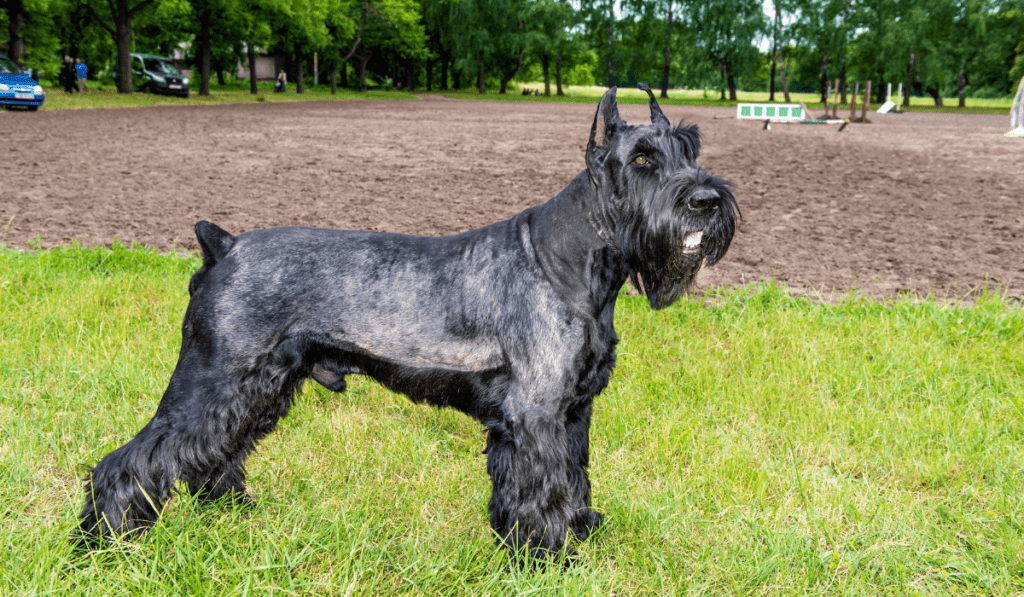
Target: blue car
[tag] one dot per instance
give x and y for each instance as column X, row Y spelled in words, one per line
column 17, row 88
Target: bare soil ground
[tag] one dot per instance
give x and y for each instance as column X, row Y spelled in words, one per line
column 912, row 202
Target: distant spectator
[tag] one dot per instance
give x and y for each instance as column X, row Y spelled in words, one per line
column 282, row 82
column 68, row 76
column 526, row 92
column 81, row 70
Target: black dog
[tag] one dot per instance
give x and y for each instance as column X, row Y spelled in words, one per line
column 511, row 324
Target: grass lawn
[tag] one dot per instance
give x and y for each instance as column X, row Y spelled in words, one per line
column 700, row 97
column 106, row 96
column 749, row 443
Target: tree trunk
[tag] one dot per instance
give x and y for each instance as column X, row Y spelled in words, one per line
column 430, row 75
column 343, row 67
column 456, row 79
column 962, row 85
column 220, row 76
column 410, row 77
column 363, row 59
column 545, row 66
column 444, row 71
column 881, row 86
column 510, row 74
column 299, row 72
column 730, row 79
column 611, row 65
column 122, row 38
column 558, row 75
column 334, row 78
column 668, row 55
column 480, row 87
column 204, row 51
column 782, row 73
column 721, row 69
column 252, row 69
column 15, row 23
column 824, row 76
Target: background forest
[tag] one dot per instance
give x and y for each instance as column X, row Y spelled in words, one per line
column 937, row 48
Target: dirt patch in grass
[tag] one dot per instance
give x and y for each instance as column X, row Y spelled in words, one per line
column 911, row 202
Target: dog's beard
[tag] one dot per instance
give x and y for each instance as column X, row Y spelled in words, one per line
column 672, row 274
column 671, row 261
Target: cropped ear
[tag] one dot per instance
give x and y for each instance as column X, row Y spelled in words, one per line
column 658, row 118
column 689, row 137
column 606, row 122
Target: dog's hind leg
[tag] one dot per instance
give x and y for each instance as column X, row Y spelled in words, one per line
column 206, row 424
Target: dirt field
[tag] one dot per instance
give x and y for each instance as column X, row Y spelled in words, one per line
column 922, row 202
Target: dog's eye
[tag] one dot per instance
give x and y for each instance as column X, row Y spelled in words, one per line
column 640, row 160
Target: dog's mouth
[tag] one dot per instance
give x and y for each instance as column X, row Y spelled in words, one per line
column 691, row 244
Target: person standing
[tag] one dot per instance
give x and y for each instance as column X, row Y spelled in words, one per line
column 282, row 82
column 82, row 70
column 68, row 75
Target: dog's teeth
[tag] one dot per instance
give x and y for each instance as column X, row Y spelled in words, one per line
column 692, row 240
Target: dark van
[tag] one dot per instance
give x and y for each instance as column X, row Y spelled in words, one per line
column 156, row 74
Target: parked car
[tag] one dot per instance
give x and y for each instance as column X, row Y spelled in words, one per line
column 17, row 88
column 156, row 74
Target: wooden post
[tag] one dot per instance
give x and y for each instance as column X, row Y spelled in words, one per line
column 867, row 102
column 853, row 100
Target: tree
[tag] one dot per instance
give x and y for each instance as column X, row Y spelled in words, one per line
column 121, row 15
column 489, row 35
column 15, row 25
column 727, row 32
column 548, row 21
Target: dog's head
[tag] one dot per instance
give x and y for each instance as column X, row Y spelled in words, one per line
column 665, row 213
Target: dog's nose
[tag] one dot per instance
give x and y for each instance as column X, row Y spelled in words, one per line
column 704, row 200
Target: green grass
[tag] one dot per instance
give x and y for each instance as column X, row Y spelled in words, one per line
column 749, row 443
column 106, row 96
column 698, row 97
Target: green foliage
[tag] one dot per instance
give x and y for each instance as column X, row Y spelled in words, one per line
column 750, row 442
column 864, row 38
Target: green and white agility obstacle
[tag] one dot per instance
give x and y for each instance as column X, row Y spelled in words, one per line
column 1017, row 113
column 792, row 113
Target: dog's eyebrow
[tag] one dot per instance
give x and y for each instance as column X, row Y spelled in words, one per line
column 644, row 145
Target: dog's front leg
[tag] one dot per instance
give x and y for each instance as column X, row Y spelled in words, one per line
column 528, row 462
column 584, row 519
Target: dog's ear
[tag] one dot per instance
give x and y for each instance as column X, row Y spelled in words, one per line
column 606, row 122
column 214, row 241
column 658, row 118
column 689, row 137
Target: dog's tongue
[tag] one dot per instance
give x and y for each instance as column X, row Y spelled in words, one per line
column 692, row 241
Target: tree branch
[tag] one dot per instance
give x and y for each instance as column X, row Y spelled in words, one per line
column 138, row 7
column 97, row 18
column 359, row 35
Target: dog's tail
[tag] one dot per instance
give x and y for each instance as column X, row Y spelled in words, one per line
column 215, row 243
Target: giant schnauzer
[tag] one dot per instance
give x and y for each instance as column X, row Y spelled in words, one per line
column 511, row 324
